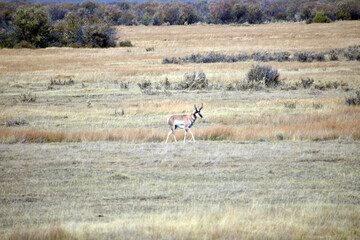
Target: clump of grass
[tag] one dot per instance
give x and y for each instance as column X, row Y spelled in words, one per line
column 27, row 97
column 150, row 49
column 120, row 177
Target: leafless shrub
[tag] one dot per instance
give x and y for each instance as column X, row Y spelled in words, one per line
column 27, row 97
column 15, row 122
column 146, row 87
column 166, row 84
column 290, row 105
column 61, row 82
column 124, row 85
column 173, row 60
column 318, row 105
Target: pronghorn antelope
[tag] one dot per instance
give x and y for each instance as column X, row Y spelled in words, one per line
column 184, row 122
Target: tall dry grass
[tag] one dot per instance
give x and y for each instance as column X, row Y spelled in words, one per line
column 343, row 123
column 53, row 232
column 229, row 222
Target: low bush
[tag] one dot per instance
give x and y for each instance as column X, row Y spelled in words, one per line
column 246, row 85
column 318, row 105
column 61, row 82
column 303, row 56
column 146, row 84
column 15, row 122
column 194, row 81
column 353, row 53
column 306, row 82
column 333, row 55
column 27, row 97
column 124, row 85
column 126, row 43
column 321, row 17
column 264, row 75
column 353, row 100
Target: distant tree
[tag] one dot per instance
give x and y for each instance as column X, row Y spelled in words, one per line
column 254, row 14
column 57, row 12
column 221, row 11
column 90, row 6
column 306, row 14
column 32, row 25
column 169, row 13
column 203, row 11
column 79, row 30
column 321, row 17
column 239, row 13
column 348, row 10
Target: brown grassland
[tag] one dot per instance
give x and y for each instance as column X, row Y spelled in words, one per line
column 87, row 160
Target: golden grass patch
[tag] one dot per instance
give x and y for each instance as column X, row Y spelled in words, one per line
column 316, row 126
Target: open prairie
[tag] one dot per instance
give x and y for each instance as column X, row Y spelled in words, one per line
column 82, row 152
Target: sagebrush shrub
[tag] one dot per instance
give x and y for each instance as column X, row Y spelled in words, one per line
column 263, row 74
column 307, row 82
column 194, row 81
column 126, row 43
column 15, row 122
column 353, row 100
column 303, row 56
column 146, row 84
column 353, row 53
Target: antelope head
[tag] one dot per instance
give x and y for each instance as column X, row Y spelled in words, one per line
column 196, row 111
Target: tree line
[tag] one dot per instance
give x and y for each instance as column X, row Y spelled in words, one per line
column 90, row 24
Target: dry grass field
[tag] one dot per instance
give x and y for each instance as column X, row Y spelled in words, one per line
column 82, row 152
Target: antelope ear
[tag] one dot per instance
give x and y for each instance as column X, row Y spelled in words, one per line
column 194, row 108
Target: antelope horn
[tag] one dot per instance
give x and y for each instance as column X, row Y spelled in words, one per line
column 202, row 105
